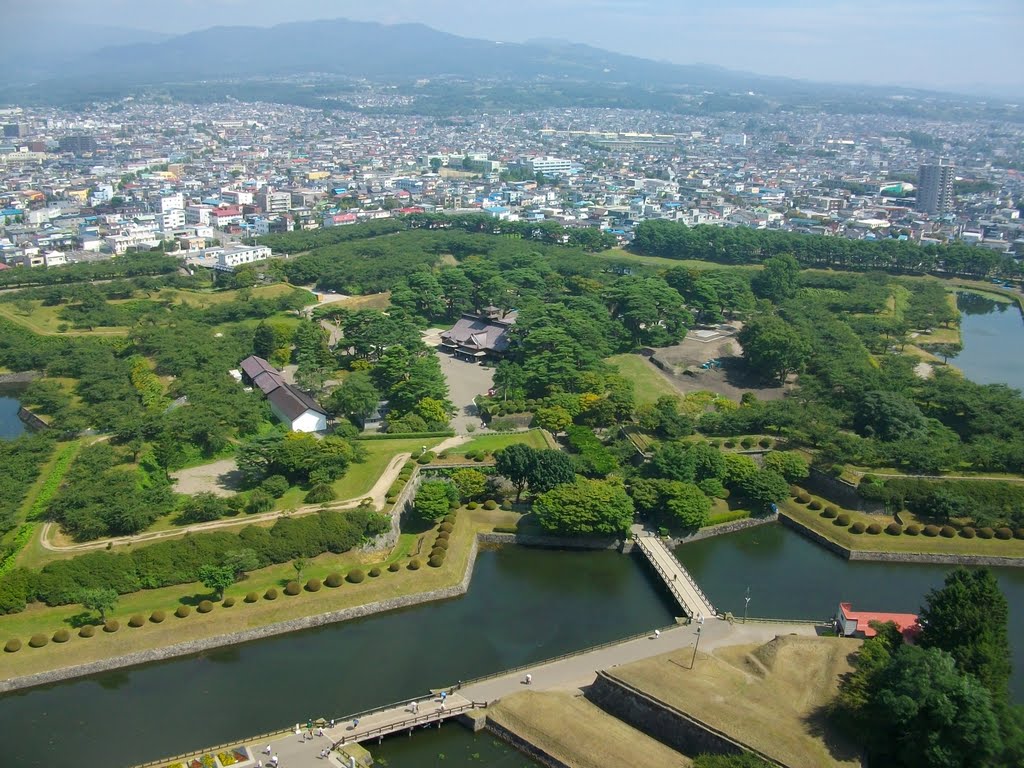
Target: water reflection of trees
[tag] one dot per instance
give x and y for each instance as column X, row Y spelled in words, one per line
column 978, row 304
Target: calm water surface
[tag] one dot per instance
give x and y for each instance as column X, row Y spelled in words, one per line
column 791, row 577
column 10, row 425
column 524, row 605
column 993, row 341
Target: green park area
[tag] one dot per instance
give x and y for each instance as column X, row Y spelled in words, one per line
column 490, row 443
column 648, row 383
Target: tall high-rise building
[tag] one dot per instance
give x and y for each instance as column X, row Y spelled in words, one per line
column 935, row 187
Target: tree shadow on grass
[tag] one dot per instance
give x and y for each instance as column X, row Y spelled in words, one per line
column 81, row 619
column 194, row 600
column 820, row 725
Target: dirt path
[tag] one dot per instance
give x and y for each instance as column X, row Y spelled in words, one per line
column 378, row 493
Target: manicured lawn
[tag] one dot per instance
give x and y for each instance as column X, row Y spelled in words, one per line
column 619, row 256
column 883, row 542
column 648, row 383
column 533, row 438
column 369, row 301
column 360, row 478
column 239, row 617
column 44, row 321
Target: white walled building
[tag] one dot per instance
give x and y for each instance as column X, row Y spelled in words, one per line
column 227, row 260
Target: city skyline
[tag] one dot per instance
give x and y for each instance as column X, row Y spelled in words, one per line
column 964, row 46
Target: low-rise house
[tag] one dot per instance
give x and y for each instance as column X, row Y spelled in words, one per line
column 289, row 404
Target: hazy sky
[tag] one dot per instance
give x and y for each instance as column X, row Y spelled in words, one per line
column 941, row 44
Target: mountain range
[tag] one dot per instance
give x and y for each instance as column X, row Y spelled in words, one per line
column 354, row 49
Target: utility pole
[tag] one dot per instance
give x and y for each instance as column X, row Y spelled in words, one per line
column 695, row 645
column 746, row 603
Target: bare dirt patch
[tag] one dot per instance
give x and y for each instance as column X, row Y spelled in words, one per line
column 681, row 365
column 221, row 478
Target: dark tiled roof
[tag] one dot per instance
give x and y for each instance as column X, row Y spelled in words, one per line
column 293, row 402
column 252, row 366
column 476, row 333
column 268, row 381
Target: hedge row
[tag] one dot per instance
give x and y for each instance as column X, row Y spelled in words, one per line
column 175, row 562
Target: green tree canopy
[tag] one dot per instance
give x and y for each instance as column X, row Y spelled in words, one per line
column 517, row 463
column 551, row 468
column 100, row 599
column 773, row 347
column 433, row 499
column 585, row 507
column 789, row 464
column 355, row 399
column 216, row 577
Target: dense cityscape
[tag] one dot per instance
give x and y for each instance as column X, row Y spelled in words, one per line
column 137, row 175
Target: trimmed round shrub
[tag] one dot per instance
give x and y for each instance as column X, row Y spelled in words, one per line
column 490, row 504
column 441, row 544
column 451, row 517
column 229, row 602
column 948, row 532
column 1018, row 533
column 931, row 530
column 894, row 528
column 374, row 572
column 61, row 636
column 13, row 645
column 426, row 458
column 447, row 527
column 270, row 594
column 390, row 499
column 913, row 529
column 471, row 455
column 470, row 505
column 136, row 621
column 205, row 606
column 320, row 493
column 87, row 631
column 795, row 490
column 438, row 552
column 874, row 529
column 747, row 442
column 815, row 504
column 251, row 597
column 857, row 527
column 967, row 532
column 729, row 444
column 435, row 562
column 506, row 505
column 394, row 567
column 765, row 442
column 841, row 519
column 38, row 641
column 333, row 580
column 804, row 497
column 292, row 588
column 443, row 535
column 985, row 533
column 830, row 512
column 414, row 564
column 356, row 576
column 1004, row 533
column 157, row 616
column 182, row 611
column 111, row 625
column 313, row 585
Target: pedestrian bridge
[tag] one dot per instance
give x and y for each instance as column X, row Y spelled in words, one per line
column 684, row 589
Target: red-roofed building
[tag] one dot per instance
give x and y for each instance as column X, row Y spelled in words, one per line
column 853, row 623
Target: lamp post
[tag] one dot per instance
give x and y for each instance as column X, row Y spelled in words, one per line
column 746, row 604
column 695, row 645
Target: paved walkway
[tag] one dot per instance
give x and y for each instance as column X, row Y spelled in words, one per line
column 574, row 672
column 676, row 578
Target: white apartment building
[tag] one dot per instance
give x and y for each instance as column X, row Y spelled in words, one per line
column 549, row 166
column 175, row 202
column 227, row 260
column 236, row 197
column 172, row 219
column 198, row 215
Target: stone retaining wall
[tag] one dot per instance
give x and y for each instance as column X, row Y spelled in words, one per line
column 552, row 542
column 523, row 745
column 658, row 720
column 900, row 557
column 841, row 492
column 219, row 641
column 31, row 420
column 722, row 528
column 20, row 377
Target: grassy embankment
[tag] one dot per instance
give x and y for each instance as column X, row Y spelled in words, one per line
column 620, row 256
column 47, row 321
column 770, row 697
column 580, row 734
column 884, row 542
column 534, row 438
column 648, row 383
column 241, row 616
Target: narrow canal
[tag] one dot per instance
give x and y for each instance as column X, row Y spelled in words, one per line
column 524, row 605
